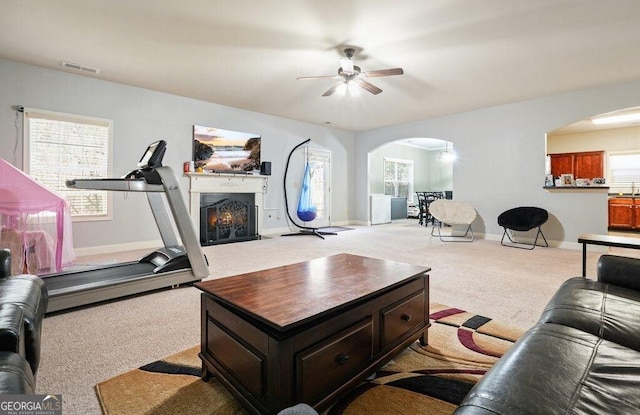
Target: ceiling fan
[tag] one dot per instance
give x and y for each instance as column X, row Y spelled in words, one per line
column 348, row 72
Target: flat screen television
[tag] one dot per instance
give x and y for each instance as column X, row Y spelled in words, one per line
column 224, row 151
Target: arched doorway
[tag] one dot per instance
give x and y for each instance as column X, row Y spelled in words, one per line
column 400, row 168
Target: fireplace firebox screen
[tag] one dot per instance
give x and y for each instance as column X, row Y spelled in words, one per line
column 227, row 217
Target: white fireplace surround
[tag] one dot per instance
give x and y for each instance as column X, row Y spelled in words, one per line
column 226, row 183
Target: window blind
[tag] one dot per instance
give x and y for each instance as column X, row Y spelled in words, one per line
column 59, row 147
column 398, row 178
column 625, row 170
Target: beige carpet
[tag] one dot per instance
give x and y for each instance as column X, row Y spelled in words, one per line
column 421, row 380
column 84, row 347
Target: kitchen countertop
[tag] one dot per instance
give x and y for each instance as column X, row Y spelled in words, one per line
column 624, row 195
column 595, row 187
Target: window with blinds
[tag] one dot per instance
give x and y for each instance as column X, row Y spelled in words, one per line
column 59, row 147
column 398, row 178
column 624, row 171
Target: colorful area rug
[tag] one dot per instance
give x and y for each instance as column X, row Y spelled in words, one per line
column 421, row 380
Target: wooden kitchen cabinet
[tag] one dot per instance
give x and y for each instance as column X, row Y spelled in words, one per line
column 624, row 213
column 561, row 164
column 583, row 165
column 589, row 165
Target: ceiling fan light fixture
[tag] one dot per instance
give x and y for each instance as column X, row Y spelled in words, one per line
column 347, row 65
column 353, row 88
column 352, row 74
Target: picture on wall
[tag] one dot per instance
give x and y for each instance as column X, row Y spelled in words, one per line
column 221, row 151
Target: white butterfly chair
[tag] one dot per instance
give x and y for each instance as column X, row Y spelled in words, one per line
column 453, row 213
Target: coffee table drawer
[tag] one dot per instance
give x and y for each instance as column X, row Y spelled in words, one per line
column 330, row 364
column 241, row 363
column 401, row 317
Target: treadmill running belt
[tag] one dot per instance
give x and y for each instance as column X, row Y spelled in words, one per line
column 99, row 276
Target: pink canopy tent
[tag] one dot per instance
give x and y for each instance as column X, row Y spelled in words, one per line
column 36, row 223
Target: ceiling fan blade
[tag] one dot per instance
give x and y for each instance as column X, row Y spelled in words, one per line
column 331, row 90
column 384, row 72
column 369, row 87
column 315, row 77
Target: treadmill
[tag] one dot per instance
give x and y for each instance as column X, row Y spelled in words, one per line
column 172, row 265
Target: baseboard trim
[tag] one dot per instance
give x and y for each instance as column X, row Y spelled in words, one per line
column 552, row 243
column 109, row 249
column 276, row 231
column 151, row 245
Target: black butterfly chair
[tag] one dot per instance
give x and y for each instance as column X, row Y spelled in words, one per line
column 523, row 219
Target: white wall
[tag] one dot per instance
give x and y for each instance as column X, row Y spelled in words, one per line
column 142, row 116
column 501, row 154
column 501, row 150
column 440, row 173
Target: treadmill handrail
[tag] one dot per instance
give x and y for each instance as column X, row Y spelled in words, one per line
column 122, row 185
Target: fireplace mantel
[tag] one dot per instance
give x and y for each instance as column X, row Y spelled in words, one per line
column 226, row 183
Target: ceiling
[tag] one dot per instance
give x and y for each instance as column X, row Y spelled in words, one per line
column 423, row 143
column 457, row 55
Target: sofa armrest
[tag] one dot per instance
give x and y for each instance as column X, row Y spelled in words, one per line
column 15, row 375
column 12, row 329
column 5, row 263
column 620, row 271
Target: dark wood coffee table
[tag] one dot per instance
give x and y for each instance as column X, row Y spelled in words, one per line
column 309, row 332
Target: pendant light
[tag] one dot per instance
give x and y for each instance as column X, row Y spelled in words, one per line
column 446, row 155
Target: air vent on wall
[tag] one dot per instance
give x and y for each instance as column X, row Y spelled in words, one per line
column 80, row 67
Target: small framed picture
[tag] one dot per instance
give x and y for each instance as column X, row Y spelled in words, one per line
column 567, row 180
column 548, row 180
column 598, row 180
column 583, row 182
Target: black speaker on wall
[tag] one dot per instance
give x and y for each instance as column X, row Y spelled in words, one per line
column 265, row 168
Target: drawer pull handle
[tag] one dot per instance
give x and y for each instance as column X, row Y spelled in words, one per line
column 406, row 317
column 342, row 358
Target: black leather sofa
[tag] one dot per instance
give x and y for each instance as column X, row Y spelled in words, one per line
column 23, row 303
column 582, row 357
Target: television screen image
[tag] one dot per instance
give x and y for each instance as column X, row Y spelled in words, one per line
column 219, row 150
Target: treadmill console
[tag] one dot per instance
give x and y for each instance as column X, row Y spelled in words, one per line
column 152, row 158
